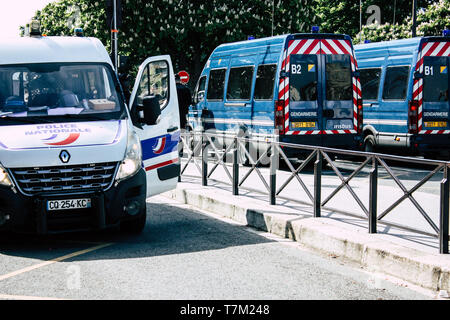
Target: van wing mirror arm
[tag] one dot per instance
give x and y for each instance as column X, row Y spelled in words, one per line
column 284, row 74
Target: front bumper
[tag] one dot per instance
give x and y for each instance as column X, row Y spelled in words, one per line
column 29, row 213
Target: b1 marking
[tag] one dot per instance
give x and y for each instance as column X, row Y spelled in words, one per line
column 428, row 70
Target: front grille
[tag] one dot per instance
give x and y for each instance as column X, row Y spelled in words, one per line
column 97, row 176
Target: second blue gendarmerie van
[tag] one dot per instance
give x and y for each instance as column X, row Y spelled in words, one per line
column 405, row 94
column 304, row 88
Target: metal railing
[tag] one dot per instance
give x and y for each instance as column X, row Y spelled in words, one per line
column 203, row 149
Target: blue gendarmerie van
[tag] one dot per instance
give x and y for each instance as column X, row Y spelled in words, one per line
column 303, row 88
column 405, row 95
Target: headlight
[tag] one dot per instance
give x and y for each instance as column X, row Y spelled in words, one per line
column 133, row 157
column 4, row 177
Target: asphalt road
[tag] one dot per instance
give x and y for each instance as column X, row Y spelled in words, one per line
column 183, row 254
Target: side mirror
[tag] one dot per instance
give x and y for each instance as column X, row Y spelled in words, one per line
column 150, row 111
column 418, row 75
column 200, row 96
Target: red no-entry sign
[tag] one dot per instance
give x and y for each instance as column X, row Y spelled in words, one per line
column 184, row 76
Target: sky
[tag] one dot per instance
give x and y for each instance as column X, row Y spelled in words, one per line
column 14, row 13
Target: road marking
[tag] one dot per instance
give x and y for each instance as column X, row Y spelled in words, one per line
column 46, row 263
column 16, row 297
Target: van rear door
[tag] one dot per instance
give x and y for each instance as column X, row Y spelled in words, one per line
column 160, row 141
column 338, row 94
column 435, row 101
column 323, row 90
column 305, row 103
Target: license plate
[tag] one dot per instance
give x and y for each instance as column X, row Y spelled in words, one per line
column 435, row 124
column 68, row 204
column 303, row 124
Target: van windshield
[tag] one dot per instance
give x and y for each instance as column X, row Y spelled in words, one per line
column 53, row 92
column 435, row 87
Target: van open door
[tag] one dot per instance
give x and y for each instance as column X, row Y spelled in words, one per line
column 154, row 111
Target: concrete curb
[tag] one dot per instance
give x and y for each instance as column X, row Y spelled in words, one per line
column 371, row 251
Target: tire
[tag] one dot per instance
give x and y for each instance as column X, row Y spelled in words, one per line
column 135, row 226
column 369, row 143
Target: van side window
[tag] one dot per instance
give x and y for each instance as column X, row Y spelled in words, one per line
column 265, row 81
column 216, row 84
column 200, row 90
column 395, row 83
column 240, row 83
column 370, row 83
column 338, row 77
column 154, row 82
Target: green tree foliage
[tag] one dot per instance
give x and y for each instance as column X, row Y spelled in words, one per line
column 434, row 19
column 339, row 16
column 431, row 21
column 187, row 30
column 59, row 18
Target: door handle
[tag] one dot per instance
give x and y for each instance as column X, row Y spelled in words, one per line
column 172, row 129
column 235, row 104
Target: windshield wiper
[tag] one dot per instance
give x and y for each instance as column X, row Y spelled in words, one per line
column 92, row 116
column 28, row 120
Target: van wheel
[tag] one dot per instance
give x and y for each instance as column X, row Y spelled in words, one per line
column 369, row 144
column 134, row 226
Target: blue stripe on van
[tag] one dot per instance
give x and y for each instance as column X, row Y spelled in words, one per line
column 161, row 145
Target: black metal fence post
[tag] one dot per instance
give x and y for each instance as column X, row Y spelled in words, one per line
column 373, row 196
column 444, row 219
column 204, row 160
column 273, row 171
column 235, row 168
column 180, row 152
column 317, row 183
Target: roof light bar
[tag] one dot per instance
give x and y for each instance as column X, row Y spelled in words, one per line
column 315, row 29
column 35, row 28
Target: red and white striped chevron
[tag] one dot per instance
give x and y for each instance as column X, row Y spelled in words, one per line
column 318, row 46
column 432, row 49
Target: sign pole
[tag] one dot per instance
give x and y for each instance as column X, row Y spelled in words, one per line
column 414, row 18
column 115, row 36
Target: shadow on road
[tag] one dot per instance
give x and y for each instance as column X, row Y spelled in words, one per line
column 169, row 230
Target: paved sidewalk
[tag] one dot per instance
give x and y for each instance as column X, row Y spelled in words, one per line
column 409, row 256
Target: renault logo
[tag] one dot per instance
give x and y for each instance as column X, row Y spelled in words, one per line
column 64, row 156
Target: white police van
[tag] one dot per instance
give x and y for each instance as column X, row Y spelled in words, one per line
column 73, row 155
